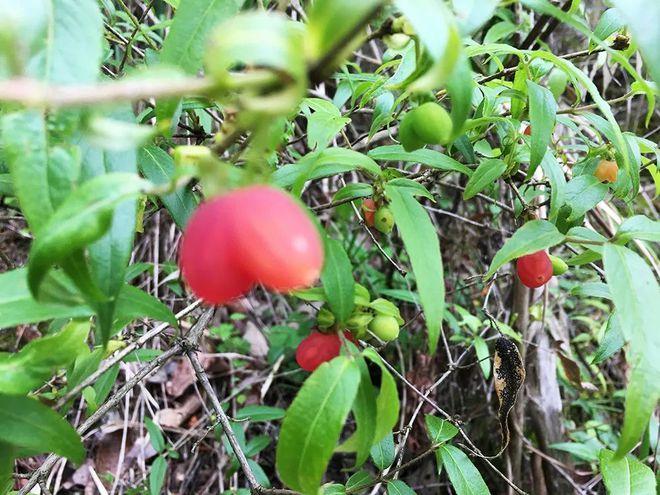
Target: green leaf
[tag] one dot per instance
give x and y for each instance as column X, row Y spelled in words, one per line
column 158, row 166
column 472, row 14
column 7, row 458
column 483, row 354
column 324, row 163
column 587, row 451
column 82, row 219
column 636, row 293
column 421, row 242
column 643, row 18
column 413, row 188
column 337, row 278
column 259, row 39
column 383, row 453
column 25, row 146
column 638, row 227
column 487, row 172
column 431, row 158
column 398, row 487
column 256, row 413
column 612, row 341
column 626, row 476
column 383, row 106
column 387, row 402
column 364, row 412
column 27, row 423
column 434, row 25
column 359, row 481
column 554, row 173
column 155, row 435
column 157, row 472
column 332, row 21
column 186, row 41
column 531, row 237
column 592, row 289
column 464, row 477
column 542, row 116
column 109, row 255
column 313, row 422
column 354, row 190
column 40, row 358
column 17, row 305
column 323, row 123
column 582, row 194
column 440, row 430
column 64, row 55
column 610, row 22
column 133, row 303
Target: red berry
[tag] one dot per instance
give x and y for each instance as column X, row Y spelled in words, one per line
column 369, row 208
column 250, row 235
column 317, row 348
column 535, row 269
column 207, row 259
column 276, row 241
column 528, row 130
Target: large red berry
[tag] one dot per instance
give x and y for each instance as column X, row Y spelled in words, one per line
column 207, row 260
column 276, row 241
column 369, row 208
column 250, row 235
column 535, row 269
column 317, row 348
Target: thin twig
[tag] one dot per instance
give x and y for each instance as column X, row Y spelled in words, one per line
column 190, row 341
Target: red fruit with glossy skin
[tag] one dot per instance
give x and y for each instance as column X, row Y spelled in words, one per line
column 276, row 241
column 257, row 234
column 207, row 254
column 369, row 208
column 535, row 269
column 317, row 348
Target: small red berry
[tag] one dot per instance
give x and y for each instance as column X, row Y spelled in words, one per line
column 528, row 130
column 369, row 208
column 207, row 260
column 535, row 269
column 276, row 241
column 317, row 348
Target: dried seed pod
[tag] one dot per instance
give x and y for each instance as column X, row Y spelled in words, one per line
column 509, row 377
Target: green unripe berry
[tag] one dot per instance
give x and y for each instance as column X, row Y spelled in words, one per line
column 325, row 318
column 559, row 266
column 396, row 41
column 432, row 124
column 409, row 140
column 386, row 328
column 429, row 123
column 384, row 220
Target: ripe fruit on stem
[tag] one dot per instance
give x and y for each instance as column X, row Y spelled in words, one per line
column 606, row 171
column 258, row 234
column 369, row 208
column 535, row 269
column 317, row 348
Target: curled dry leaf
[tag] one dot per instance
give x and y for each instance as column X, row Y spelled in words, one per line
column 509, row 377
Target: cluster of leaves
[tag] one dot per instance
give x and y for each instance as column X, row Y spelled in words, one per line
column 79, row 173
